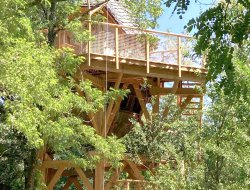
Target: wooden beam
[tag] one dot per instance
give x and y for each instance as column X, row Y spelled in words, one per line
column 98, row 82
column 186, row 102
column 175, row 86
column 145, row 30
column 115, row 110
column 141, row 101
column 111, row 104
column 179, row 91
column 55, row 178
column 98, row 8
column 99, row 176
column 135, row 170
column 99, row 116
column 57, row 164
column 84, row 178
column 136, row 67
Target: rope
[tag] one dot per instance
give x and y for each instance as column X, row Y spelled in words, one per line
column 106, row 73
column 106, row 86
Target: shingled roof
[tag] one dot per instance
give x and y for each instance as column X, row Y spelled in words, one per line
column 117, row 10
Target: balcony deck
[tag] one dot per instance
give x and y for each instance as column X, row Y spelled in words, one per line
column 144, row 53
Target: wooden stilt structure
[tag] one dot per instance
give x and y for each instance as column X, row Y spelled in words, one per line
column 130, row 56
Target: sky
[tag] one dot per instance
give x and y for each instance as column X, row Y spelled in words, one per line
column 172, row 23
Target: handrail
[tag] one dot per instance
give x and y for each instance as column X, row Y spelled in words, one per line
column 144, row 30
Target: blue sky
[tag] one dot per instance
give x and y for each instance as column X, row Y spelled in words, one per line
column 172, row 23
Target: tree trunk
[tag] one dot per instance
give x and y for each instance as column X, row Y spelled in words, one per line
column 52, row 25
column 30, row 170
column 4, row 187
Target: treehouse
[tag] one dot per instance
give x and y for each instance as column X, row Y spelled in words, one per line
column 150, row 64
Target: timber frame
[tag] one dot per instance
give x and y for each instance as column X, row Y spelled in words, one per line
column 112, row 60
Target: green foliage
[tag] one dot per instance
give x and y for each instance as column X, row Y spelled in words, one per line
column 164, row 138
column 226, row 142
column 219, row 31
column 41, row 104
column 145, row 13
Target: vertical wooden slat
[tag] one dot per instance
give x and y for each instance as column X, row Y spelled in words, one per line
column 117, row 48
column 179, row 55
column 127, row 185
column 99, row 176
column 89, row 44
column 147, row 53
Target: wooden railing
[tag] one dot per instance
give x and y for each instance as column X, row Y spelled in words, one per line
column 133, row 43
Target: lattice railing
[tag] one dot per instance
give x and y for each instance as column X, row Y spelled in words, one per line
column 133, row 43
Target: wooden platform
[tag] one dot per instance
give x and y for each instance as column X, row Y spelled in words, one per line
column 137, row 68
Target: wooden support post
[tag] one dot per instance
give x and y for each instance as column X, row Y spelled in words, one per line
column 100, row 123
column 117, row 48
column 111, row 104
column 136, row 171
column 127, row 185
column 115, row 110
column 147, row 53
column 99, row 176
column 179, row 54
column 141, row 102
column 89, row 44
